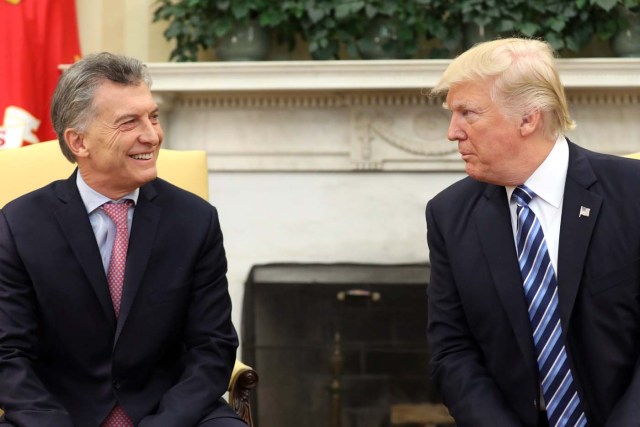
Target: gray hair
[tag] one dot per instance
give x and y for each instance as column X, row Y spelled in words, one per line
column 72, row 104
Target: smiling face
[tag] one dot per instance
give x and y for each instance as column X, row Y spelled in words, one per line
column 117, row 151
column 496, row 148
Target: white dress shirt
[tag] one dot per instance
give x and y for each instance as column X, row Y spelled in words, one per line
column 548, row 183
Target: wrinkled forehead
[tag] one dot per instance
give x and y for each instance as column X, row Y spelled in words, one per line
column 469, row 95
column 116, row 99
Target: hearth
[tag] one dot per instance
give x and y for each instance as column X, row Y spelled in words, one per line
column 336, row 344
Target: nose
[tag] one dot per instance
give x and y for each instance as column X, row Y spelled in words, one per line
column 150, row 133
column 455, row 132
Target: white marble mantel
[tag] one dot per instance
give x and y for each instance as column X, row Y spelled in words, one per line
column 360, row 115
column 362, row 75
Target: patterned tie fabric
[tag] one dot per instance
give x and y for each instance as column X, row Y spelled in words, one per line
column 117, row 418
column 115, row 278
column 541, row 291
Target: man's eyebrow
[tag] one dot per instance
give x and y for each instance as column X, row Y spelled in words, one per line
column 460, row 105
column 126, row 116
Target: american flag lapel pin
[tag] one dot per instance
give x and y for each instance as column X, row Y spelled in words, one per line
column 584, row 212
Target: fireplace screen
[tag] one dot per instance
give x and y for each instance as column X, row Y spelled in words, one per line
column 339, row 345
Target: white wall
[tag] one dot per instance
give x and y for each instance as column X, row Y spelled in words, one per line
column 122, row 26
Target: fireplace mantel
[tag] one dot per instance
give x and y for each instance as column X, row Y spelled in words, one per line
column 316, row 76
column 360, row 115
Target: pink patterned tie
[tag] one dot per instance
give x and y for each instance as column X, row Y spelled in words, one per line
column 115, row 278
column 117, row 418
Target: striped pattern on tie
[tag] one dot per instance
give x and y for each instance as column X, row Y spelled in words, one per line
column 541, row 291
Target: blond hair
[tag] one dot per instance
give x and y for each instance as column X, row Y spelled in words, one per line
column 523, row 75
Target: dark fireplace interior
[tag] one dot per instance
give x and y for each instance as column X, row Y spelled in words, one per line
column 338, row 345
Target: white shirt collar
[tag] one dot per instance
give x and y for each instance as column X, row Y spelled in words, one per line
column 548, row 180
column 93, row 200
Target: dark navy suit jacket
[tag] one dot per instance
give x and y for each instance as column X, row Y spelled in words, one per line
column 65, row 359
column 483, row 359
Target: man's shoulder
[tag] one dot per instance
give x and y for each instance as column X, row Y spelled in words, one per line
column 464, row 191
column 170, row 194
column 609, row 167
column 41, row 198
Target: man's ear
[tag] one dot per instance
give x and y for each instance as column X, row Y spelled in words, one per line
column 530, row 122
column 75, row 141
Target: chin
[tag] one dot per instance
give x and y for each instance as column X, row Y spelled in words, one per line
column 478, row 176
column 147, row 177
column 471, row 171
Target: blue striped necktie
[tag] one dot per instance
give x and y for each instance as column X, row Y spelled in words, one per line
column 541, row 291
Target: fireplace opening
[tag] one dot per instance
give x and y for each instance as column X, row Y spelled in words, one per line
column 339, row 345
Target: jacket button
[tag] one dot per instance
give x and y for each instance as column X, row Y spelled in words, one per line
column 116, row 384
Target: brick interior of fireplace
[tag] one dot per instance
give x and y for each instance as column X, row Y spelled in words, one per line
column 292, row 315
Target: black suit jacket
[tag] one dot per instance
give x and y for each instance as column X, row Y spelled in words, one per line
column 65, row 359
column 483, row 359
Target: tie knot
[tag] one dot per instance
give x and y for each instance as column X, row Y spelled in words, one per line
column 117, row 212
column 522, row 195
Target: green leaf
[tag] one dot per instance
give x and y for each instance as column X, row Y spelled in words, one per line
column 529, row 28
column 223, row 27
column 556, row 24
column 357, row 6
column 240, row 9
column 554, row 40
column 505, row 26
column 343, row 10
column 605, row 4
column 371, row 10
column 315, row 14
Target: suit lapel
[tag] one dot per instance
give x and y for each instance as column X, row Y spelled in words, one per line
column 146, row 218
column 493, row 224
column 74, row 221
column 575, row 229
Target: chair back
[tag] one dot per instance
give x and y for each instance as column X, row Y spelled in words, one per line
column 28, row 168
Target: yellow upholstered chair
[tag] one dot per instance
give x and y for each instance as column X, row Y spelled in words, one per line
column 34, row 166
column 28, row 168
column 634, row 155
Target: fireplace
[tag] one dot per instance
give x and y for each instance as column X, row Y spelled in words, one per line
column 336, row 344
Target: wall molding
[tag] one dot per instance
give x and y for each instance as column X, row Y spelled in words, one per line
column 360, row 115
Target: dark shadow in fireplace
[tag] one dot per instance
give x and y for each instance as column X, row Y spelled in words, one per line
column 341, row 339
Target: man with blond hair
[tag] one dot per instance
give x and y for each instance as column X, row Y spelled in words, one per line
column 534, row 297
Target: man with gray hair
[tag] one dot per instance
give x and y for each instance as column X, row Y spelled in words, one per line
column 114, row 307
column 534, row 296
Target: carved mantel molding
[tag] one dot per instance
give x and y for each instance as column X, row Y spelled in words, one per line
column 360, row 115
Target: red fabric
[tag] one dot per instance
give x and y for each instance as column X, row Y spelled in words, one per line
column 36, row 36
